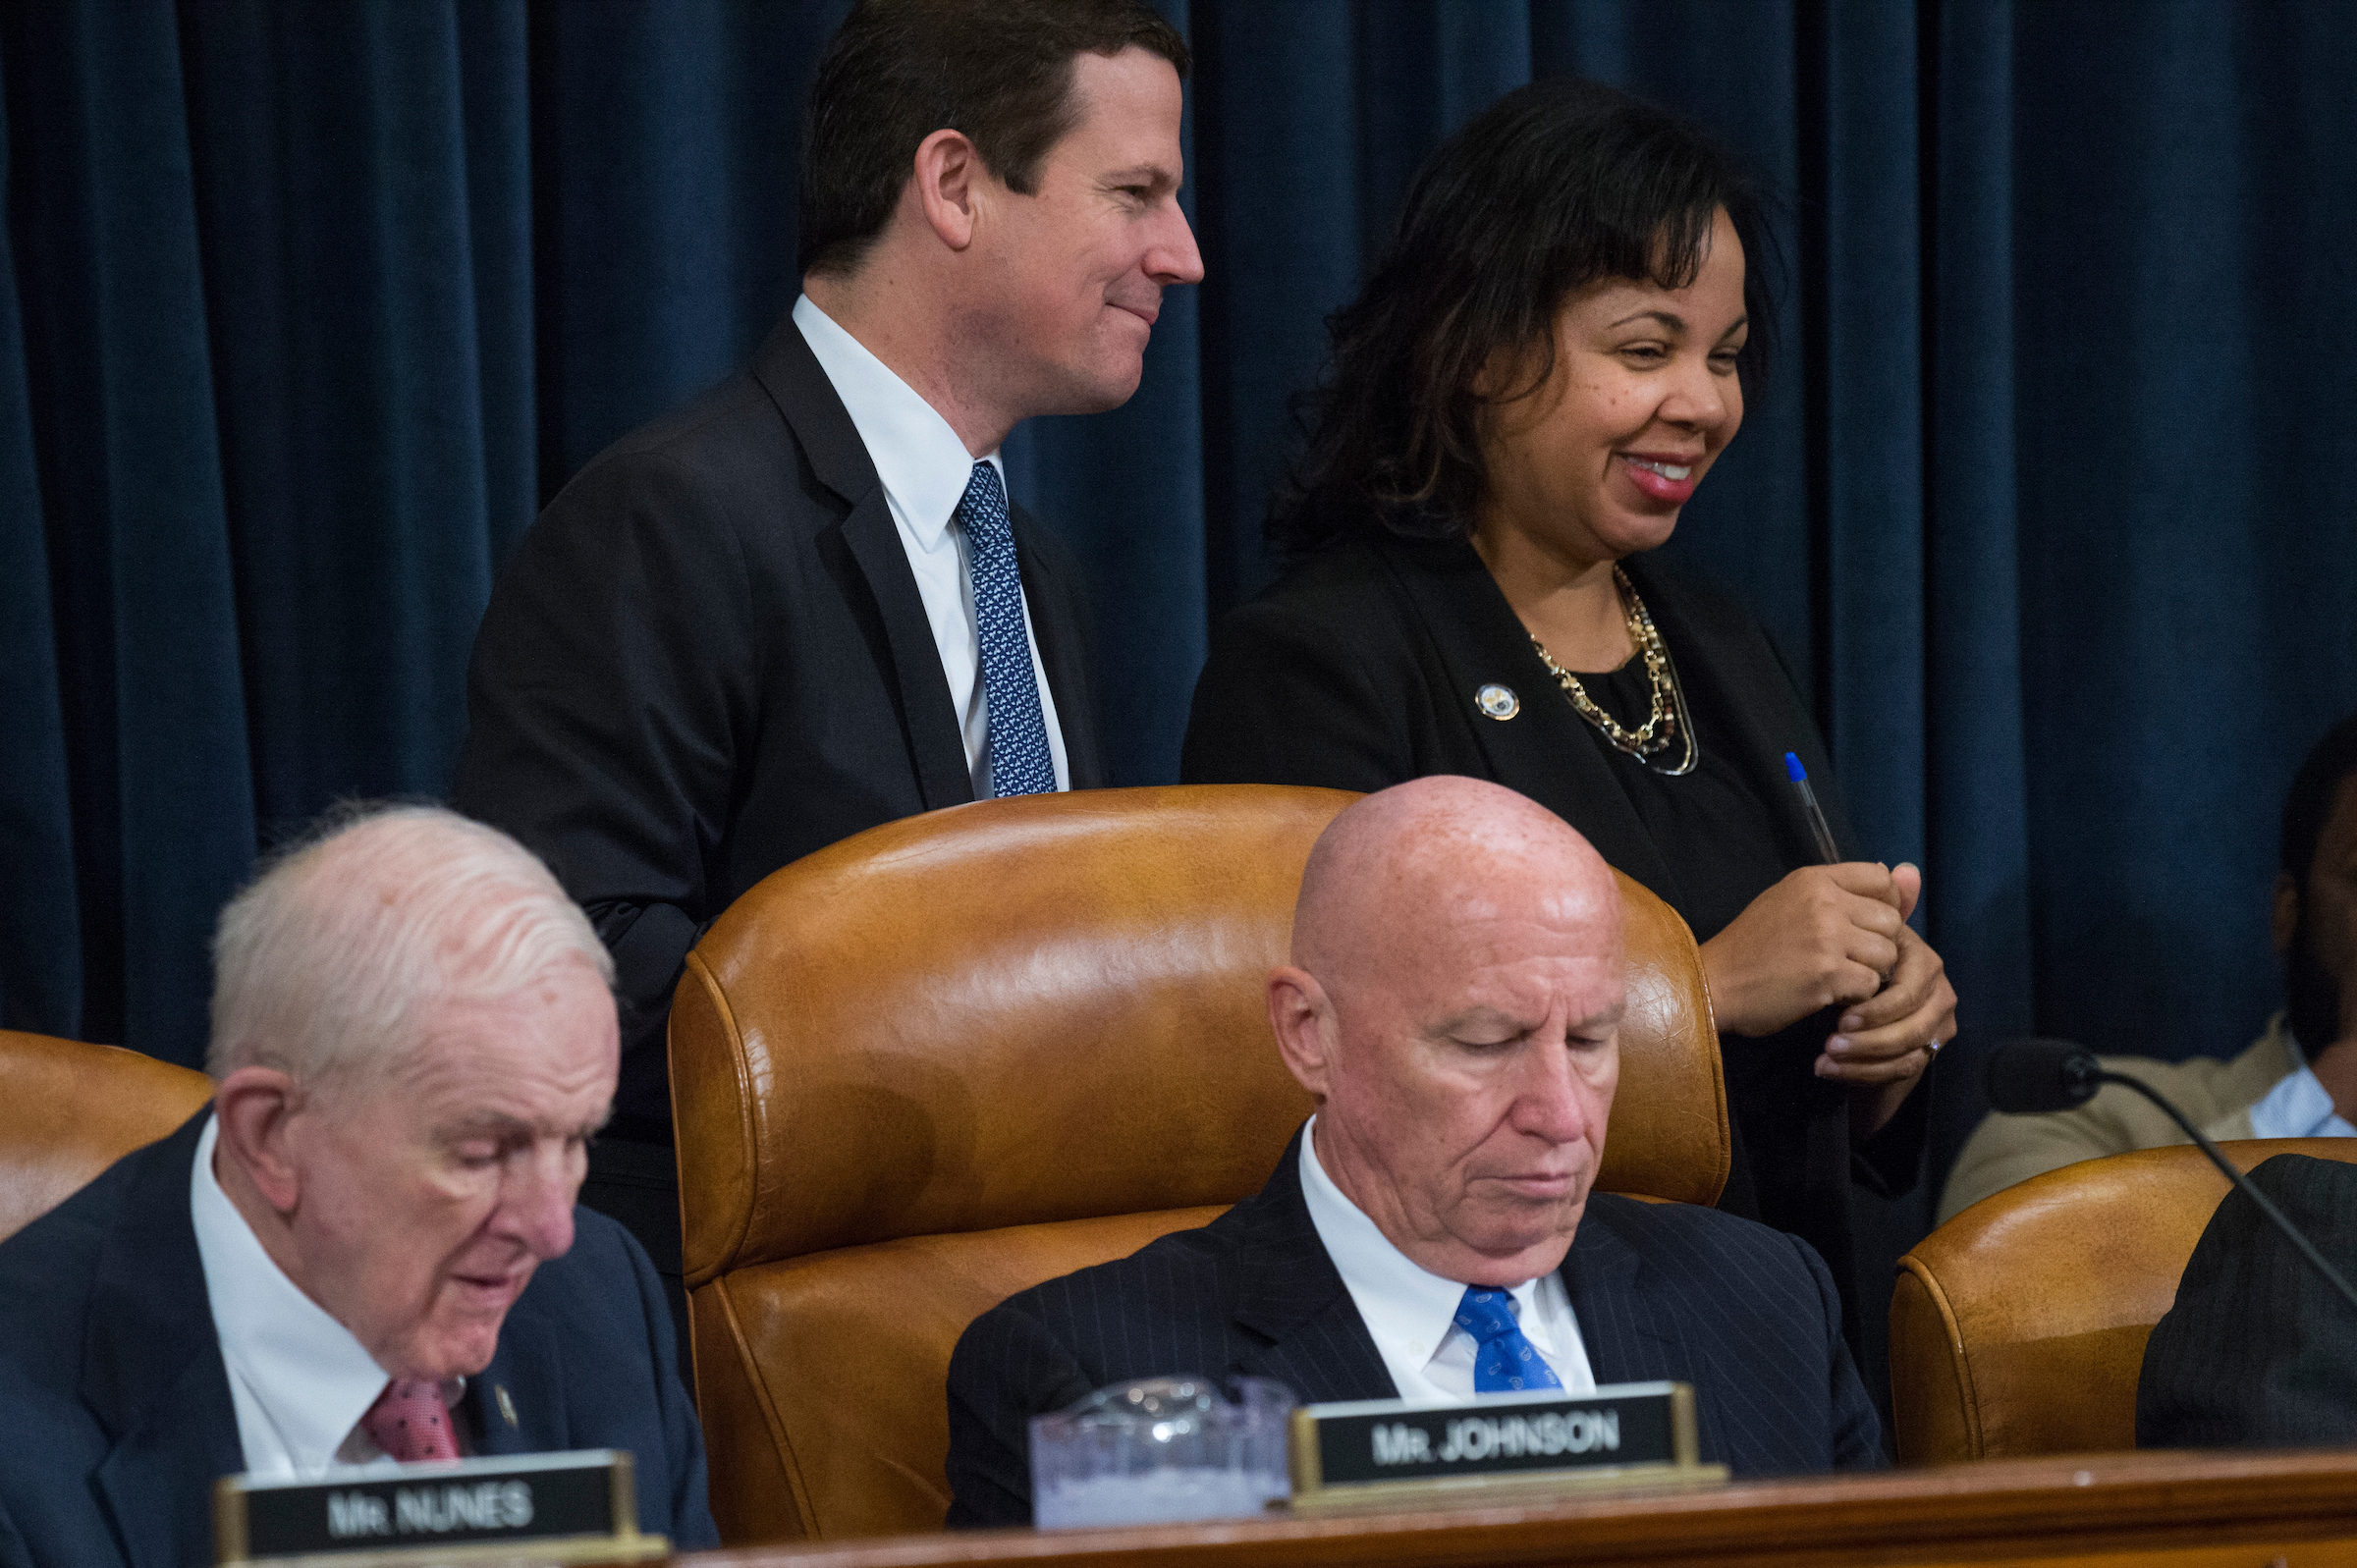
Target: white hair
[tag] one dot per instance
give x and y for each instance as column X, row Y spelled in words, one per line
column 327, row 964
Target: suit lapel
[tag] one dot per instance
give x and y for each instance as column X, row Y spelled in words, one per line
column 1633, row 1331
column 793, row 377
column 517, row 1404
column 1063, row 653
column 151, row 1367
column 1627, row 1339
column 1291, row 1300
column 1544, row 749
column 934, row 742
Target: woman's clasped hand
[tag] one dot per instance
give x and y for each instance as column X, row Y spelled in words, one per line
column 1829, row 934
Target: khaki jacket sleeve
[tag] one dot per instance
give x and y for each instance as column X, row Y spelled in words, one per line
column 2216, row 1096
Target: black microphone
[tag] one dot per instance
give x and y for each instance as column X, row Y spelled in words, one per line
column 2033, row 1075
column 2027, row 1076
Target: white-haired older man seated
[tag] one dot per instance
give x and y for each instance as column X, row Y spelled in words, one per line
column 365, row 1248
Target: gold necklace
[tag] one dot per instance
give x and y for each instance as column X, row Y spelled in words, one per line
column 1651, row 740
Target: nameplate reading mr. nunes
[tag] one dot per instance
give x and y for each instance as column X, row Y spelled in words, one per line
column 545, row 1508
column 1354, row 1448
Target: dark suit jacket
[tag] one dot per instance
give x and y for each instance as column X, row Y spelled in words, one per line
column 2259, row 1350
column 708, row 658
column 1359, row 672
column 1747, row 1315
column 116, row 1407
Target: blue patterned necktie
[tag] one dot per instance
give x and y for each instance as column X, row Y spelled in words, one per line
column 1020, row 762
column 1505, row 1361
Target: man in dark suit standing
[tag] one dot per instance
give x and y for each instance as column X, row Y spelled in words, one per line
column 802, row 605
column 365, row 1248
column 1453, row 1004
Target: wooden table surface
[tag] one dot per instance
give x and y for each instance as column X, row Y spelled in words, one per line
column 2182, row 1510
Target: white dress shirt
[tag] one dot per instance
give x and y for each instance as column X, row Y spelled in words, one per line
column 925, row 469
column 1412, row 1314
column 2298, row 1106
column 299, row 1382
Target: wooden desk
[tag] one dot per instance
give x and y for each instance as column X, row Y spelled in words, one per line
column 2177, row 1510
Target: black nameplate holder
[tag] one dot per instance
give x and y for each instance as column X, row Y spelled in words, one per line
column 1385, row 1452
column 577, row 1507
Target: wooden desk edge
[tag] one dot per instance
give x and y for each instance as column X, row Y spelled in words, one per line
column 2124, row 1502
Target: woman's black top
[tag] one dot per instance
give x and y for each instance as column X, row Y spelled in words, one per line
column 1362, row 670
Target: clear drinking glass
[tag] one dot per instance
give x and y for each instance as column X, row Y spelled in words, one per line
column 1161, row 1450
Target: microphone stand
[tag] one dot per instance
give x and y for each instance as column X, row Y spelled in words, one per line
column 2225, row 1166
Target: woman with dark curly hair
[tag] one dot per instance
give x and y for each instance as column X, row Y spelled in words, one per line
column 1546, row 362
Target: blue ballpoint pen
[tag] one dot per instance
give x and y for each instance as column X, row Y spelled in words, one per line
column 1811, row 810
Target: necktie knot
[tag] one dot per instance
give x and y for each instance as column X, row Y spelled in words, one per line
column 982, row 509
column 1505, row 1361
column 410, row 1422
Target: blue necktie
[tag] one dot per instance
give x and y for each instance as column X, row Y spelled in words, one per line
column 1505, row 1361
column 1020, row 762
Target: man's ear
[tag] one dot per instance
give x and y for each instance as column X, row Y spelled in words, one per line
column 253, row 1105
column 1302, row 1016
column 947, row 176
column 2285, row 916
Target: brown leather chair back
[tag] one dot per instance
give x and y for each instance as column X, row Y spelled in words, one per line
column 68, row 1110
column 960, row 1053
column 2018, row 1327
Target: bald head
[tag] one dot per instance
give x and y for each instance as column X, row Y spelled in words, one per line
column 1454, row 1002
column 1400, row 861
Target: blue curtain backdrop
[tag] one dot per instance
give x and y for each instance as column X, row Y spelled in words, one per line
column 306, row 307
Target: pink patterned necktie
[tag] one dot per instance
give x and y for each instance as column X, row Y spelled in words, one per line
column 410, row 1422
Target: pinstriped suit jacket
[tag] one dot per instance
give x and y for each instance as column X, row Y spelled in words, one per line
column 1747, row 1315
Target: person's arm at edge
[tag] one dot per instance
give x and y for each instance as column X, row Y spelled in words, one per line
column 2005, row 1151
column 603, row 695
column 1007, row 1369
column 692, row 1525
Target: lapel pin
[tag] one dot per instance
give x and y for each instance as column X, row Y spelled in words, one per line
column 507, row 1406
column 1499, row 702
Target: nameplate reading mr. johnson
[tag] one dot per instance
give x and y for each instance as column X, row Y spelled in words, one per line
column 1382, row 1440
column 386, row 1512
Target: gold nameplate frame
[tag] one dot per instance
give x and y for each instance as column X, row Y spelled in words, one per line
column 577, row 1507
column 1390, row 1453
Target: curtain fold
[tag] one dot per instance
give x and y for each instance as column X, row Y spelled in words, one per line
column 304, row 310
column 1975, row 780
column 40, row 979
column 127, row 468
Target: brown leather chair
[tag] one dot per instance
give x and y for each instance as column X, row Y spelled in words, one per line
column 2018, row 1327
column 957, row 1055
column 68, row 1110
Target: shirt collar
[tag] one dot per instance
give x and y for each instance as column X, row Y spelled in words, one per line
column 925, row 469
column 311, row 1378
column 1403, row 1304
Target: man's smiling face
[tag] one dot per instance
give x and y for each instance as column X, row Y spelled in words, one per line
column 1081, row 262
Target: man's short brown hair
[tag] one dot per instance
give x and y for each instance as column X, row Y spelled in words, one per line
column 999, row 71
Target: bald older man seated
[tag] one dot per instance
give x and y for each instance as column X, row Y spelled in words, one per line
column 1454, row 1004
column 366, row 1249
